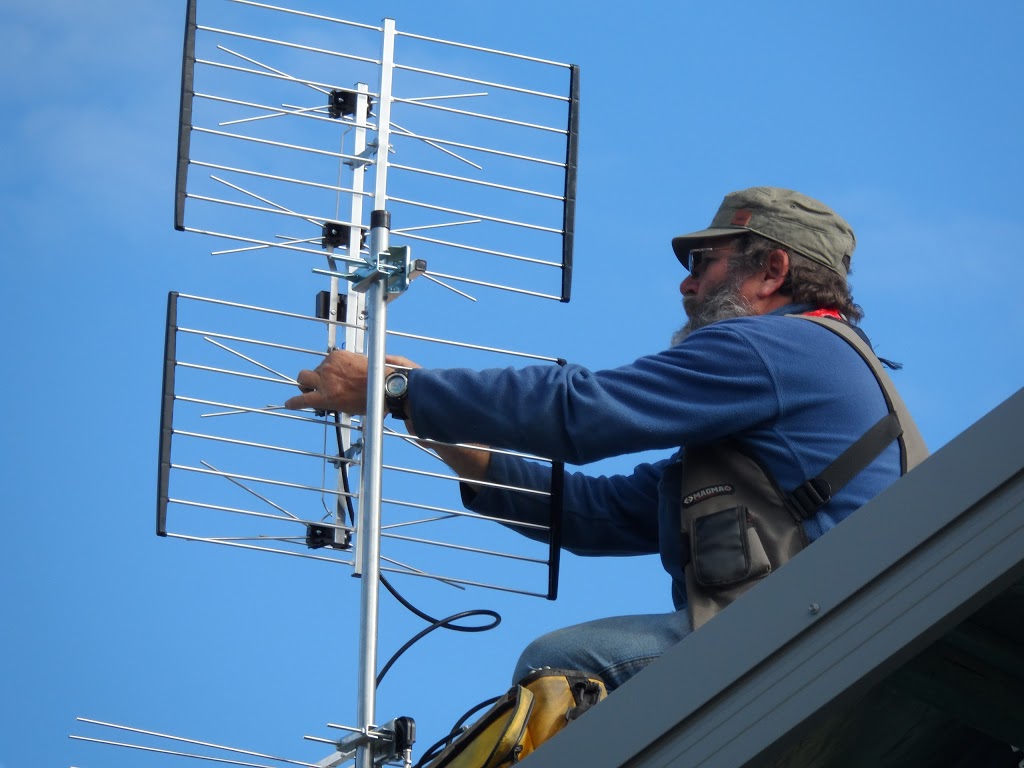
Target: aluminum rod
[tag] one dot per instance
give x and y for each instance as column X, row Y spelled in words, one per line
column 447, row 96
column 451, row 288
column 283, row 238
column 272, row 550
column 316, row 220
column 277, row 111
column 280, row 144
column 267, row 68
column 512, row 222
column 488, row 484
column 475, row 81
column 411, row 569
column 463, row 548
column 277, row 206
column 520, row 56
column 462, row 513
column 370, row 500
column 174, row 752
column 478, row 182
column 247, row 489
column 425, row 441
column 368, row 544
column 475, row 249
column 265, row 480
column 228, row 372
column 355, row 302
column 254, row 307
column 264, row 446
column 482, row 116
column 254, row 513
column 257, row 363
column 465, row 582
column 308, row 15
column 286, row 44
column 421, row 521
column 271, row 244
column 487, row 150
column 465, row 345
column 435, row 145
column 463, row 223
column 246, row 409
column 284, row 110
column 316, row 85
column 496, row 285
column 247, row 340
column 184, row 740
column 274, row 177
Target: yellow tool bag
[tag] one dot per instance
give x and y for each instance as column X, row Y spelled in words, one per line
column 530, row 713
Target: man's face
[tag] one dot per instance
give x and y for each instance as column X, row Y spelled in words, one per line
column 711, row 293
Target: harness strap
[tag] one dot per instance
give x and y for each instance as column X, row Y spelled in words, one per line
column 912, row 446
column 806, row 499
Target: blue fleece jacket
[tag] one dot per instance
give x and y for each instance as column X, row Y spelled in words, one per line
column 793, row 392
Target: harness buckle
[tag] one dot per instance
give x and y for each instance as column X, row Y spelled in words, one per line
column 806, row 499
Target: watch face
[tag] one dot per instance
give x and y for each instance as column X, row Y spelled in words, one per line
column 395, row 385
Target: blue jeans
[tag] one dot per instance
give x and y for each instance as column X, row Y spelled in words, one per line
column 613, row 649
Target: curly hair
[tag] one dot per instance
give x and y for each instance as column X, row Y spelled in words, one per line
column 807, row 282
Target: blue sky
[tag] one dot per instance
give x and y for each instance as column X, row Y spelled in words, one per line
column 907, row 122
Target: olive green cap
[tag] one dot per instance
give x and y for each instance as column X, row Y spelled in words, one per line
column 795, row 221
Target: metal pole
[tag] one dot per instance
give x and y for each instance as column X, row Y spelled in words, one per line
column 373, row 423
column 370, row 492
column 354, row 337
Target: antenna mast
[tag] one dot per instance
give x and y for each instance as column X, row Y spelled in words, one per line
column 259, row 123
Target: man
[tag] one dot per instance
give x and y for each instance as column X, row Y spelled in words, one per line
column 748, row 382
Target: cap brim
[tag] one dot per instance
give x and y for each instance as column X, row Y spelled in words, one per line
column 683, row 244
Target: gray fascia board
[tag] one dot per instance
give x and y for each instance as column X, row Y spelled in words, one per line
column 889, row 581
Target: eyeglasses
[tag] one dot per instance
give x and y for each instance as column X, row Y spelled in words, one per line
column 697, row 259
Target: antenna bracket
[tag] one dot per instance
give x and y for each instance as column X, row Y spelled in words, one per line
column 394, row 265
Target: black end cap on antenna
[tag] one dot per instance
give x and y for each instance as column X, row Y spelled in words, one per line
column 323, row 306
column 341, row 104
column 334, row 235
column 320, row 536
column 380, row 218
column 405, row 733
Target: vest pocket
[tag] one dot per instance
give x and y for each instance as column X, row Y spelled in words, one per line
column 726, row 549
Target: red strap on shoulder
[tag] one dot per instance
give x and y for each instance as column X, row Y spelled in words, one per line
column 834, row 314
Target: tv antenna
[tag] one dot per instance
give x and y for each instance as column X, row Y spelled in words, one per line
column 475, row 166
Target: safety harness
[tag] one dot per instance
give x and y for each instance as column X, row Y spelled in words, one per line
column 738, row 525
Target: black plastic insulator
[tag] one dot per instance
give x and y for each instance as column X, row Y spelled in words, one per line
column 341, row 103
column 380, row 218
column 334, row 235
column 405, row 734
column 323, row 305
column 318, row 536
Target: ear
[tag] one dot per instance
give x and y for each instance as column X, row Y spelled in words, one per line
column 776, row 267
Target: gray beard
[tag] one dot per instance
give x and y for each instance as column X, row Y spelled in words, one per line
column 723, row 304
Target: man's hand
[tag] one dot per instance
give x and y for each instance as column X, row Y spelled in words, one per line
column 338, row 383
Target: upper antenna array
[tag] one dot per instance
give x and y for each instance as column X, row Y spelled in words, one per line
column 481, row 144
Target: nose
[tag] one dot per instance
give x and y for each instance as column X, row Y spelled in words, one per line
column 689, row 285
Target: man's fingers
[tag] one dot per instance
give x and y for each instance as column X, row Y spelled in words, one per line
column 308, row 381
column 308, row 400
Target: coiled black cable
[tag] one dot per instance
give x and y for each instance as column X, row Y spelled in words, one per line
column 445, row 623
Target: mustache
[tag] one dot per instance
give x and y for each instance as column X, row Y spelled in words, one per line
column 723, row 303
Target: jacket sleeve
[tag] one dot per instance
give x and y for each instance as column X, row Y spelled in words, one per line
column 604, row 515
column 711, row 385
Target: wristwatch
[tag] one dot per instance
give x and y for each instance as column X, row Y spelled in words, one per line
column 396, row 390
